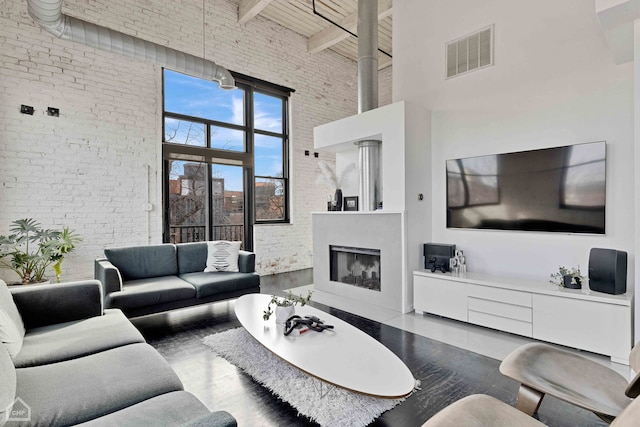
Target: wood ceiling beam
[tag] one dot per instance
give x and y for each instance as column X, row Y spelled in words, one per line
column 384, row 61
column 248, row 9
column 333, row 35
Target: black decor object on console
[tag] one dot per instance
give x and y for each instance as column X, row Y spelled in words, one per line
column 338, row 198
column 437, row 256
column 608, row 271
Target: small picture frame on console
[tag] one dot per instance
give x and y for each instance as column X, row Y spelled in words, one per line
column 351, row 203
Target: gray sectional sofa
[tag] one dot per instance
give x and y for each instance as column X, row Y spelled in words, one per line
column 66, row 361
column 141, row 280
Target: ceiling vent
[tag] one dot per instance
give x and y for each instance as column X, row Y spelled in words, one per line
column 470, row 53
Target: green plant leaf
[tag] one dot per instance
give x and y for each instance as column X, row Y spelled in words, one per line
column 288, row 300
column 31, row 261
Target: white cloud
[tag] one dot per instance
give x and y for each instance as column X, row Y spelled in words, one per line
column 267, row 142
column 267, row 116
column 238, row 109
column 265, row 122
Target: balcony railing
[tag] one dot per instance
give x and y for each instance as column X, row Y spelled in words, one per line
column 198, row 233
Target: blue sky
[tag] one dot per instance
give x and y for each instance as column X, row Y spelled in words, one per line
column 201, row 98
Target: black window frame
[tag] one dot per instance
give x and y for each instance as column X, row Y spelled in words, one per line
column 246, row 159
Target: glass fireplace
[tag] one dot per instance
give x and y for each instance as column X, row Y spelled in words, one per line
column 355, row 266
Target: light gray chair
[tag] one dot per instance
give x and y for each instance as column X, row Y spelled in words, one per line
column 480, row 410
column 542, row 369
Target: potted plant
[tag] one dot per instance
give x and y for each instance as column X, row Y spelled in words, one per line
column 285, row 306
column 30, row 249
column 571, row 279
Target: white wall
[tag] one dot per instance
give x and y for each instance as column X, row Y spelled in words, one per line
column 636, row 97
column 87, row 168
column 345, row 158
column 554, row 83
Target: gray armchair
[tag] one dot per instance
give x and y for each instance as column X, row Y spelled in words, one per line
column 543, row 369
column 485, row 411
column 480, row 410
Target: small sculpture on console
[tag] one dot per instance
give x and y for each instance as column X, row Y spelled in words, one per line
column 459, row 263
column 442, row 266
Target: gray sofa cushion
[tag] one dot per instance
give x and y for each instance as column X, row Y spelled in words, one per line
column 247, row 262
column 82, row 389
column 11, row 326
column 140, row 262
column 192, row 257
column 151, row 291
column 8, row 383
column 42, row 305
column 63, row 341
column 169, row 409
column 212, row 283
column 215, row 419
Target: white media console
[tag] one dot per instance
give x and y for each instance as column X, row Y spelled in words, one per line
column 579, row 318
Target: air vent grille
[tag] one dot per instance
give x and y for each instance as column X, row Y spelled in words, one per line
column 470, row 52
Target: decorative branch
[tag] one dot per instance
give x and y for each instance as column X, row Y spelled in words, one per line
column 329, row 178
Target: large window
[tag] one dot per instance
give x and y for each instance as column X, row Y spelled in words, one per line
column 226, row 159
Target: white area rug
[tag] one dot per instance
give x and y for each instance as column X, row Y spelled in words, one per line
column 323, row 403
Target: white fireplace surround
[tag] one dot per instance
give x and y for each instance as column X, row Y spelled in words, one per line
column 375, row 230
column 386, row 124
column 404, row 130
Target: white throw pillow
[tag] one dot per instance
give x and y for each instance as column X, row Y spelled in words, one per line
column 10, row 335
column 222, row 256
column 11, row 326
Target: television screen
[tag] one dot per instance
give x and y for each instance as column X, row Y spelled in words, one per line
column 559, row 189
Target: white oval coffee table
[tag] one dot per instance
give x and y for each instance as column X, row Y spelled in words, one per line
column 345, row 357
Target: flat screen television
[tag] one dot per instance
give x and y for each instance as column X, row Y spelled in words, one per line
column 560, row 189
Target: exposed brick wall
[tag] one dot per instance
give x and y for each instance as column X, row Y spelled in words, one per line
column 385, row 86
column 94, row 167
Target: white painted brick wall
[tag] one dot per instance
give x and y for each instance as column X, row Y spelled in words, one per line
column 384, row 86
column 88, row 168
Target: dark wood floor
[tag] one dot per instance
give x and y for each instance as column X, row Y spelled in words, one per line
column 447, row 373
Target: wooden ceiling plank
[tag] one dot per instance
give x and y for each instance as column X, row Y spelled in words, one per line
column 296, row 21
column 248, row 9
column 337, row 10
column 384, row 61
column 332, row 35
column 384, row 14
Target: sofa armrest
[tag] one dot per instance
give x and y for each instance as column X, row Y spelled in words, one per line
column 247, row 262
column 108, row 274
column 42, row 305
column 214, row 419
